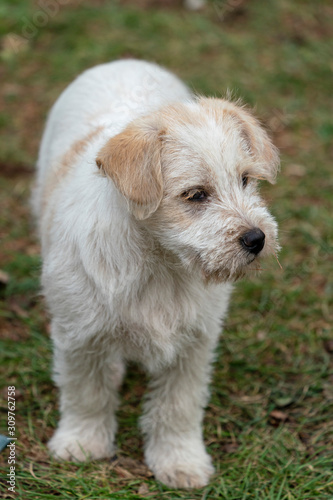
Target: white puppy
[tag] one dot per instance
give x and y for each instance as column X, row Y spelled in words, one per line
column 148, row 210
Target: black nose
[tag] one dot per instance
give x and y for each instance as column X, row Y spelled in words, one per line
column 253, row 241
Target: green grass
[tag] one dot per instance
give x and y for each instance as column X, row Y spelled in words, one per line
column 269, row 422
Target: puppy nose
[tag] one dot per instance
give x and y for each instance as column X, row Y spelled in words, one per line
column 253, row 241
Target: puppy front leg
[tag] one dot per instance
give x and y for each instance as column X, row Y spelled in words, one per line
column 88, row 383
column 174, row 448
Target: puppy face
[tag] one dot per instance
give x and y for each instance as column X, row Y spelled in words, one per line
column 190, row 172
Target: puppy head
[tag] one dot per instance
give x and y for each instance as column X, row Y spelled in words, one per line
column 190, row 172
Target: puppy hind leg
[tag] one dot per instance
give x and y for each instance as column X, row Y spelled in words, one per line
column 174, row 447
column 88, row 383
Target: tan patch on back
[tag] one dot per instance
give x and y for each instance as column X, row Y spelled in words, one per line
column 63, row 166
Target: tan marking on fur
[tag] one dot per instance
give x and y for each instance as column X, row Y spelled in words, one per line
column 172, row 212
column 264, row 155
column 132, row 159
column 62, row 168
column 178, row 113
column 174, row 206
column 255, row 137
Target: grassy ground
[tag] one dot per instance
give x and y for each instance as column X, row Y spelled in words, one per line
column 269, row 423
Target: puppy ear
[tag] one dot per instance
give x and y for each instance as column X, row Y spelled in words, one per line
column 255, row 140
column 132, row 159
column 260, row 147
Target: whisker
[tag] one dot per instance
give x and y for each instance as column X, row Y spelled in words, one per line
column 277, row 260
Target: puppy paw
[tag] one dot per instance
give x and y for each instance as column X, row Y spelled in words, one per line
column 180, row 468
column 79, row 448
column 185, row 477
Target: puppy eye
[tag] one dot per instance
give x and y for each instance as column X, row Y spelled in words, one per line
column 195, row 195
column 245, row 180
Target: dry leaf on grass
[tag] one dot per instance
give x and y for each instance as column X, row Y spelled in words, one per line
column 123, row 472
column 144, row 491
column 17, row 309
column 276, row 417
column 129, row 468
column 4, row 278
